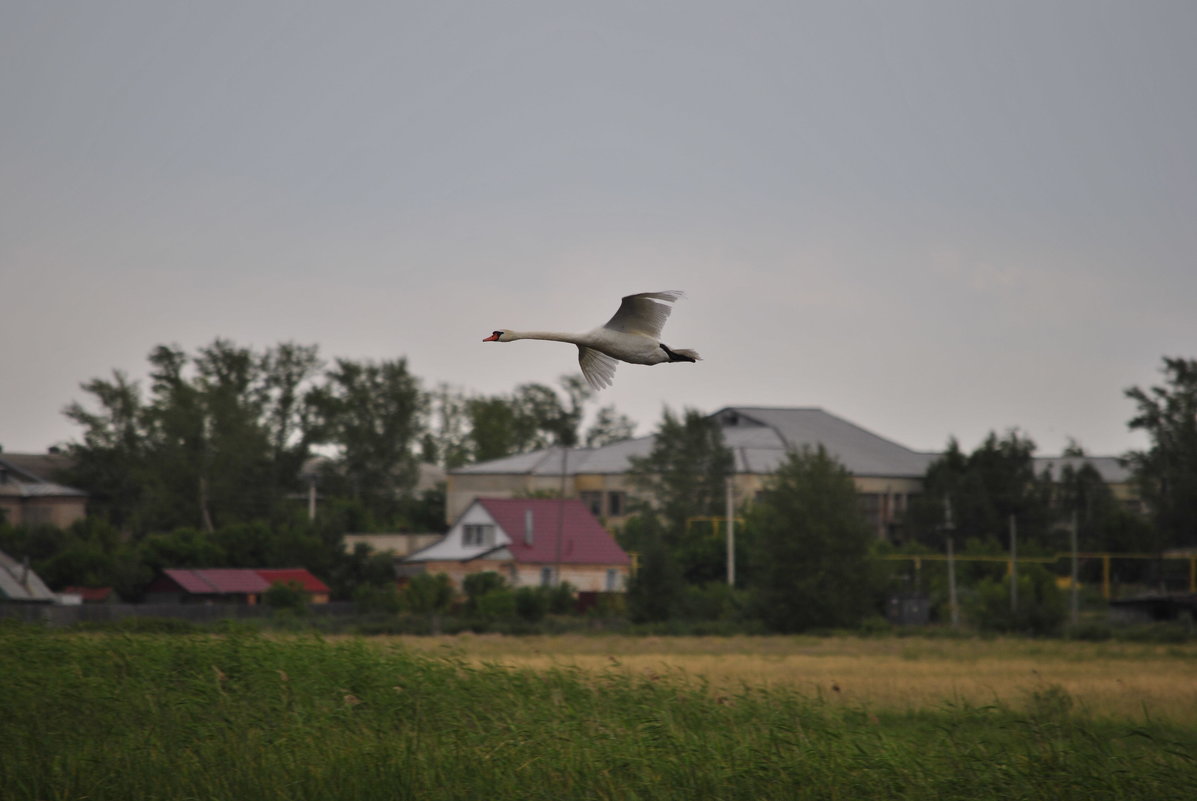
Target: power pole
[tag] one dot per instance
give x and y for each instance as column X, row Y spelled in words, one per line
column 560, row 519
column 731, row 531
column 1013, row 565
column 953, row 603
column 1075, row 599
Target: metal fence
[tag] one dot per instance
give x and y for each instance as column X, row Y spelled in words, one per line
column 58, row 615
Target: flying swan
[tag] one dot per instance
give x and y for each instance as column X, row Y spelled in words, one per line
column 633, row 335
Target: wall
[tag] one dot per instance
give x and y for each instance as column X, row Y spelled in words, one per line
column 584, row 578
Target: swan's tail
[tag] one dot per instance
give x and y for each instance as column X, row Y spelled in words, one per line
column 684, row 355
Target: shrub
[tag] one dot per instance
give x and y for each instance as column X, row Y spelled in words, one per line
column 1041, row 607
column 289, row 595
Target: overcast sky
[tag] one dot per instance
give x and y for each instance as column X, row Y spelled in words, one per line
column 934, row 219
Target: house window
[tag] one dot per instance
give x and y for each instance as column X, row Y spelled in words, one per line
column 612, row 580
column 615, row 503
column 477, row 535
column 546, row 577
column 593, row 501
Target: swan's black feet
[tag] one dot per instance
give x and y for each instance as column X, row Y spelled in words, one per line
column 676, row 357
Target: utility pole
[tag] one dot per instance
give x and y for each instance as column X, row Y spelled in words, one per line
column 953, row 603
column 1013, row 565
column 731, row 531
column 312, row 496
column 1075, row 599
column 560, row 518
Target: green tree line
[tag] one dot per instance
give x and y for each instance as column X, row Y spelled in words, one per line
column 223, row 436
column 205, row 469
column 805, row 557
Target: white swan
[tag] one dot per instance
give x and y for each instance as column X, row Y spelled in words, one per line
column 632, row 335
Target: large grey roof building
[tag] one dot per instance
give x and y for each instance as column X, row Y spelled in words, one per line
column 886, row 472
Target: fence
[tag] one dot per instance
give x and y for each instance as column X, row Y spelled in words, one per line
column 57, row 615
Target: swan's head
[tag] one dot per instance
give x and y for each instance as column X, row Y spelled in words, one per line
column 502, row 335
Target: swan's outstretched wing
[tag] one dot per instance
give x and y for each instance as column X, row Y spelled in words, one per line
column 641, row 314
column 597, row 367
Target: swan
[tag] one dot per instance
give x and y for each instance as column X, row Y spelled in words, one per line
column 632, row 335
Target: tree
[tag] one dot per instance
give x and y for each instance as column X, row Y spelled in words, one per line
column 609, row 426
column 534, row 416
column 985, row 488
column 1103, row 523
column 810, row 546
column 111, row 459
column 447, row 440
column 685, row 472
column 655, row 590
column 683, row 477
column 1167, row 470
column 219, row 439
column 374, row 412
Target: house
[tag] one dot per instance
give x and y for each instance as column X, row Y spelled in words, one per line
column 29, row 496
column 886, row 474
column 20, row 584
column 530, row 542
column 244, row 586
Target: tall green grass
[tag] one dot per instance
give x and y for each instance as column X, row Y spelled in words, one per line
column 245, row 716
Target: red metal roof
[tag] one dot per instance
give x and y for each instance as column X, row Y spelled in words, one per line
column 584, row 540
column 218, row 581
column 295, row 574
column 89, row 594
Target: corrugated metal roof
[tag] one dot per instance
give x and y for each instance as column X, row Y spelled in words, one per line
column 218, row 581
column 26, row 475
column 584, row 540
column 295, row 574
column 1110, row 468
column 760, row 438
column 860, row 451
column 19, row 583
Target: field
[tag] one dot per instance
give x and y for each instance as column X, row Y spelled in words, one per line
column 240, row 715
column 1130, row 681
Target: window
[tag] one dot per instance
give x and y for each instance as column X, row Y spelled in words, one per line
column 615, row 503
column 477, row 535
column 612, row 580
column 546, row 577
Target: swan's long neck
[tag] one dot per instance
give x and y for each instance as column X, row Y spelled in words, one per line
column 551, row 336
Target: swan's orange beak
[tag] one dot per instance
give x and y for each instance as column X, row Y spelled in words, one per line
column 492, row 338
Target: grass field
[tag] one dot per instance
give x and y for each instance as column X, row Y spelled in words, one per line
column 1108, row 679
column 249, row 716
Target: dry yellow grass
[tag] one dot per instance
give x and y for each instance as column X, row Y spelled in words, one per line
column 1103, row 679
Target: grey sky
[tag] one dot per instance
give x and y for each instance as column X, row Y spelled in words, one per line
column 932, row 218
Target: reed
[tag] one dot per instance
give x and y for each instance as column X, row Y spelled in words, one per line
column 237, row 715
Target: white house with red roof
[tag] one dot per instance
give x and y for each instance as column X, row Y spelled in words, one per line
column 531, row 542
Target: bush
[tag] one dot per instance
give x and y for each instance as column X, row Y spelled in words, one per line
column 1041, row 607
column 476, row 585
column 428, row 594
column 376, row 598
column 289, row 595
column 531, row 603
column 496, row 605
